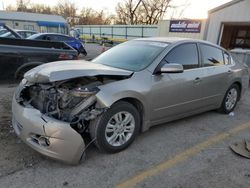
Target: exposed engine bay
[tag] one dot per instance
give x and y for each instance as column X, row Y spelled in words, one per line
column 72, row 101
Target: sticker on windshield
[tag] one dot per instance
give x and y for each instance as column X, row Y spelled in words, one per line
column 159, row 44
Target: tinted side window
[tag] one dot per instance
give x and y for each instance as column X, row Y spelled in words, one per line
column 211, row 56
column 22, row 34
column 28, row 34
column 46, row 37
column 53, row 37
column 63, row 38
column 185, row 54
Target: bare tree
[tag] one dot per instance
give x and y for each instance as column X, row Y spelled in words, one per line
column 89, row 16
column 26, row 6
column 40, row 8
column 127, row 11
column 22, row 5
column 67, row 9
column 142, row 11
column 178, row 10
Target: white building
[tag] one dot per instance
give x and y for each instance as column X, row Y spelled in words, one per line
column 34, row 22
column 185, row 28
column 229, row 25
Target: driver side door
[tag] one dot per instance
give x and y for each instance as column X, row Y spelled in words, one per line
column 176, row 94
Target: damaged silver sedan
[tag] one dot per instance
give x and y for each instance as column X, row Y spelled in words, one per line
column 122, row 92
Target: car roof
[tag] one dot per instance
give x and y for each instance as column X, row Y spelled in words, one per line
column 172, row 40
column 54, row 34
column 163, row 39
column 23, row 30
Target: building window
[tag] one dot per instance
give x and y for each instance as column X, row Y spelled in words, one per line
column 43, row 29
column 52, row 29
column 29, row 27
column 242, row 39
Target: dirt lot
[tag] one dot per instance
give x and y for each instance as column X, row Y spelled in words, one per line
column 192, row 152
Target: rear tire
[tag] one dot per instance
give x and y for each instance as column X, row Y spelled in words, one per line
column 20, row 73
column 117, row 128
column 230, row 99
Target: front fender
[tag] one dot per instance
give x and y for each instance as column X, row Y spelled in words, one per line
column 106, row 99
column 137, row 87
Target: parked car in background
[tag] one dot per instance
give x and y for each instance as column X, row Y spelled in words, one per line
column 24, row 34
column 2, row 31
column 18, row 56
column 242, row 55
column 6, row 29
column 73, row 42
column 125, row 90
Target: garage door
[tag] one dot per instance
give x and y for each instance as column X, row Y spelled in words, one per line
column 235, row 36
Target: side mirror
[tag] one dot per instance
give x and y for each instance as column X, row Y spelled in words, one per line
column 171, row 68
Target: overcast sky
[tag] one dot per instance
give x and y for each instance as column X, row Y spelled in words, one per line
column 196, row 8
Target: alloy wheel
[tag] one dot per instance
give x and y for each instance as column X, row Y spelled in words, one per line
column 120, row 128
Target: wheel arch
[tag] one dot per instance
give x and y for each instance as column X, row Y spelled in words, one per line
column 26, row 65
column 138, row 105
column 239, row 84
column 106, row 98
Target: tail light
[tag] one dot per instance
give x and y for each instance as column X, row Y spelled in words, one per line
column 65, row 56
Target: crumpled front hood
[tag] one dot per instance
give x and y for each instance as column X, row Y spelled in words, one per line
column 63, row 70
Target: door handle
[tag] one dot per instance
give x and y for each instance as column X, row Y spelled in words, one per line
column 197, row 80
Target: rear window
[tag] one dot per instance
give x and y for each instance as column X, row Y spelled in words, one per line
column 211, row 56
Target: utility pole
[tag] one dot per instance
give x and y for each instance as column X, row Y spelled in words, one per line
column 3, row 8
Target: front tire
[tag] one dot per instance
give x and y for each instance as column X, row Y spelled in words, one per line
column 230, row 99
column 117, row 128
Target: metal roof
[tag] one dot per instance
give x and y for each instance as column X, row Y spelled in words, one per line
column 26, row 16
column 230, row 3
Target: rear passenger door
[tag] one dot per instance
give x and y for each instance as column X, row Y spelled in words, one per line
column 216, row 66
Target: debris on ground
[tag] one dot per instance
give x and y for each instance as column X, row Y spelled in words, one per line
column 241, row 148
column 65, row 183
column 231, row 114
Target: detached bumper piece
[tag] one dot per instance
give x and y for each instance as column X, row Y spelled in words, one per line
column 48, row 136
column 242, row 148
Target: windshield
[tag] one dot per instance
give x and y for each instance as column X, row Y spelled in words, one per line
column 2, row 31
column 35, row 36
column 8, row 35
column 132, row 55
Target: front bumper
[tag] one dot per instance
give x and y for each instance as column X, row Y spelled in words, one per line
column 62, row 142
